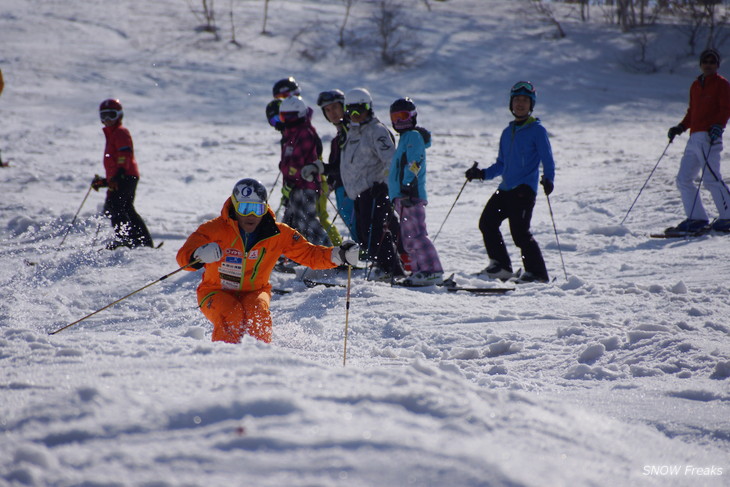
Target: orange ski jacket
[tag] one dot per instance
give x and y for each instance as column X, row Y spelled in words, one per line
column 246, row 270
column 709, row 103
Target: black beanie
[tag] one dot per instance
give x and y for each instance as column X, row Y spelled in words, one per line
column 710, row 52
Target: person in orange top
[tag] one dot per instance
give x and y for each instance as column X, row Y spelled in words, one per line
column 238, row 250
column 122, row 176
column 707, row 114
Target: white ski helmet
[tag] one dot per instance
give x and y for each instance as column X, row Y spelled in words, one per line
column 249, row 190
column 293, row 104
column 358, row 96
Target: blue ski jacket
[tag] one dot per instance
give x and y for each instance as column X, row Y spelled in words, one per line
column 521, row 150
column 407, row 177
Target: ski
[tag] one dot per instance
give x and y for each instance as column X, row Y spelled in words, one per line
column 678, row 235
column 450, row 288
column 280, row 291
column 480, row 290
column 311, row 283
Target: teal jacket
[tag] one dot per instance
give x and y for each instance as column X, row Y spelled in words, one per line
column 407, row 177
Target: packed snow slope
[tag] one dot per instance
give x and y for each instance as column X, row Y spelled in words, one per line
column 614, row 374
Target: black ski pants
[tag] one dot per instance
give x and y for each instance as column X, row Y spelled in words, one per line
column 377, row 228
column 129, row 228
column 516, row 206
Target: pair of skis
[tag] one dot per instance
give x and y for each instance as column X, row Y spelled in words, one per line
column 449, row 284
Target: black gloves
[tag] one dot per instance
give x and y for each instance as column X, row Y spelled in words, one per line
column 474, row 173
column 98, row 182
column 674, row 131
column 547, row 185
column 715, row 133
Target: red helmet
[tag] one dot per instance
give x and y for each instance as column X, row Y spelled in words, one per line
column 110, row 104
column 111, row 109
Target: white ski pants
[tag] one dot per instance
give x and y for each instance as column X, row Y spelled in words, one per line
column 697, row 153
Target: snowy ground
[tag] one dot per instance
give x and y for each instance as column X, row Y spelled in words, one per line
column 617, row 375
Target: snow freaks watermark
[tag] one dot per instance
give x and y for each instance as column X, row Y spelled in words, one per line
column 682, row 471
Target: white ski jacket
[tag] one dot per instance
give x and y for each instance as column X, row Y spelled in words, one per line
column 366, row 156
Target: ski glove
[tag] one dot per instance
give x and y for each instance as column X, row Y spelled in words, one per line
column 285, row 192
column 208, row 253
column 474, row 173
column 674, row 131
column 547, row 185
column 99, row 182
column 346, row 254
column 715, row 133
column 311, row 170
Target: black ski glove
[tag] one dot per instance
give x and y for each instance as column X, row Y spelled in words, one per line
column 715, row 133
column 547, row 185
column 674, row 131
column 98, row 182
column 474, row 173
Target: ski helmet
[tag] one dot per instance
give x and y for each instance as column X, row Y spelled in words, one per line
column 403, row 114
column 292, row 109
column 523, row 88
column 284, row 88
column 272, row 114
column 249, row 197
column 111, row 110
column 327, row 98
column 332, row 96
column 710, row 53
column 358, row 100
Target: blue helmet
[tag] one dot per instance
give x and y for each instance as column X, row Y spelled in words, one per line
column 523, row 88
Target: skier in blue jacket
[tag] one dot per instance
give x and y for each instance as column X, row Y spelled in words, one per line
column 523, row 146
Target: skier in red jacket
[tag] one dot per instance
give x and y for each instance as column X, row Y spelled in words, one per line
column 122, row 175
column 706, row 117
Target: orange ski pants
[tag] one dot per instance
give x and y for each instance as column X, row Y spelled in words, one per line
column 236, row 313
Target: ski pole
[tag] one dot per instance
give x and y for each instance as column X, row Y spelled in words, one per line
column 452, row 206
column 646, row 182
column 347, row 312
column 560, row 251
column 74, row 218
column 125, row 297
column 714, row 174
column 273, row 186
column 337, row 210
column 697, row 193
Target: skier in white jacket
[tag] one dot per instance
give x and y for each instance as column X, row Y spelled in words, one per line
column 364, row 165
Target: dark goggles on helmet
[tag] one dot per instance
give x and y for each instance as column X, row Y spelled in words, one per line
column 401, row 116
column 356, row 109
column 109, row 115
column 523, row 86
column 327, row 97
column 709, row 60
column 245, row 208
